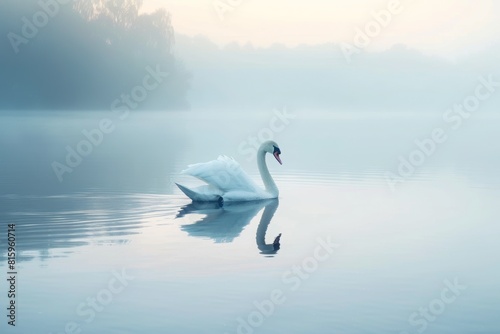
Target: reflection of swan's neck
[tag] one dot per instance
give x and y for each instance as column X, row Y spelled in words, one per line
column 264, row 173
column 267, row 215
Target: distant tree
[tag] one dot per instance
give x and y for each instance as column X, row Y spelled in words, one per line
column 120, row 12
column 86, row 55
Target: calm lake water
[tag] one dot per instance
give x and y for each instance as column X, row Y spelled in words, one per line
column 116, row 248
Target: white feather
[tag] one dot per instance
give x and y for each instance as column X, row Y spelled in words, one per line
column 226, row 180
column 224, row 174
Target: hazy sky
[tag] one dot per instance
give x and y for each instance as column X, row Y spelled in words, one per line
column 449, row 28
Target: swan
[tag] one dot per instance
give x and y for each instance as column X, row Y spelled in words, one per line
column 226, row 180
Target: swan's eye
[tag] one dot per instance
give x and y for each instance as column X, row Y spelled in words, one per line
column 276, row 150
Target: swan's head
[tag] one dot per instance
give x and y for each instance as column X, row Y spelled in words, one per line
column 273, row 148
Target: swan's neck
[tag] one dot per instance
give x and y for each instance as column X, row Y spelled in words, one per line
column 264, row 173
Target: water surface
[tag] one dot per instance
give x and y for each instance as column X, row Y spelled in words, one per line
column 356, row 256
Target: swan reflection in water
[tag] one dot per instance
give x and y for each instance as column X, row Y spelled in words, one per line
column 225, row 222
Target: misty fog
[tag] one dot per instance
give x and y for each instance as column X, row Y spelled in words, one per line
column 92, row 52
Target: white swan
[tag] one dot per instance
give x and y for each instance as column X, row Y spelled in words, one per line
column 226, row 180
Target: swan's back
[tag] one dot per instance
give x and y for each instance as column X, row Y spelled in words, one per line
column 225, row 174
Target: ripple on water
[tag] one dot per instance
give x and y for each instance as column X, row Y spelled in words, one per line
column 51, row 225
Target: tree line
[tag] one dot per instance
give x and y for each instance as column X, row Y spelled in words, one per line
column 85, row 54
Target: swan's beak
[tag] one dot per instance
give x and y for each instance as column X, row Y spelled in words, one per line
column 277, row 156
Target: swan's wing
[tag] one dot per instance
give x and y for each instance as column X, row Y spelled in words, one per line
column 224, row 173
column 205, row 193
